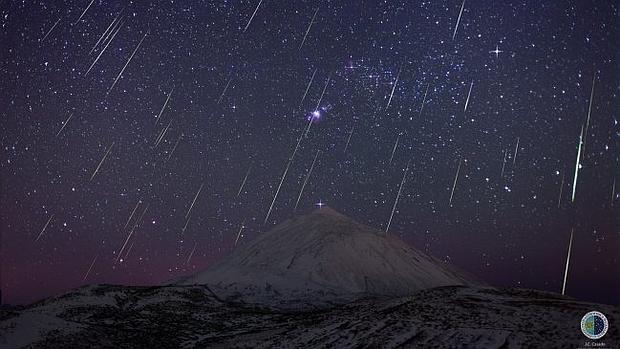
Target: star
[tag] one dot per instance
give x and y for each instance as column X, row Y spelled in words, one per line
column 497, row 51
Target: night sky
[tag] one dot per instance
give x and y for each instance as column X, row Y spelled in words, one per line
column 212, row 95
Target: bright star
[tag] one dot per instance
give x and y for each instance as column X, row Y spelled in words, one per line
column 497, row 51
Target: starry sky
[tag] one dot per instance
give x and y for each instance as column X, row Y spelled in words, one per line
column 139, row 137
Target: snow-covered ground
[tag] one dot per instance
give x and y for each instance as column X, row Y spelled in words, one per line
column 191, row 316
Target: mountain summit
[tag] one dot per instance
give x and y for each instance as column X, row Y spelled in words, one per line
column 325, row 253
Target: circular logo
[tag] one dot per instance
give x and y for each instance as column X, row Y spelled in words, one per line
column 594, row 325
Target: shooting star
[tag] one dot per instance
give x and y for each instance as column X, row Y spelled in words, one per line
column 194, row 201
column 570, row 245
column 456, row 178
column 468, row 95
column 307, row 88
column 132, row 213
column 397, row 197
column 107, row 30
column 164, row 106
column 224, row 91
column 613, row 192
column 101, row 162
column 516, row 152
column 349, row 139
column 192, row 253
column 561, row 188
column 424, row 99
column 44, row 227
column 163, row 133
column 84, row 12
column 277, row 191
column 589, row 109
column 504, row 163
column 329, row 77
column 306, row 180
column 244, row 180
column 135, row 225
column 50, row 30
column 308, row 30
column 393, row 88
column 394, row 149
column 174, row 148
column 239, row 233
column 64, row 124
column 186, row 223
column 458, row 20
column 90, row 268
column 116, row 30
column 126, row 64
column 577, row 163
column 253, row 14
column 316, row 110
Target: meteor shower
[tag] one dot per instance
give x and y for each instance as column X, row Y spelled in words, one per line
column 310, row 174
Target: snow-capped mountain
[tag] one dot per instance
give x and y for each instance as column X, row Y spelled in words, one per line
column 321, row 256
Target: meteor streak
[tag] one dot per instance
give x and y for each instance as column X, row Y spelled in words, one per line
column 318, row 104
column 64, row 124
column 516, row 152
column 323, row 92
column 118, row 28
column 164, row 106
column 107, row 31
column 394, row 150
column 244, row 180
column 101, row 162
column 307, row 88
column 194, row 201
column 397, row 197
column 185, row 226
column 174, row 148
column 561, row 188
column 83, row 13
column 393, row 88
column 349, row 139
column 468, row 95
column 135, row 225
column 458, row 20
column 504, row 162
column 163, row 133
column 50, row 30
column 589, row 109
column 424, row 99
column 253, row 14
column 239, row 233
column 570, row 245
column 132, row 213
column 90, row 268
column 224, row 91
column 308, row 30
column 277, row 191
column 44, row 227
column 126, row 64
column 192, row 253
column 577, row 164
column 306, row 180
column 456, row 178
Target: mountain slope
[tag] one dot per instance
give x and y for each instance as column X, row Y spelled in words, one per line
column 193, row 317
column 325, row 254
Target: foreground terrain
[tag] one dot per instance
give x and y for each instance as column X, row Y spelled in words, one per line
column 193, row 316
